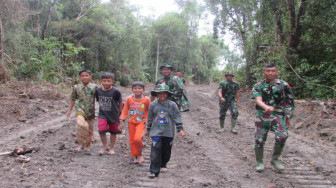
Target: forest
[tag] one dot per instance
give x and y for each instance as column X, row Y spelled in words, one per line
column 51, row 40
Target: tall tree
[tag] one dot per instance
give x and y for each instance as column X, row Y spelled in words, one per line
column 238, row 17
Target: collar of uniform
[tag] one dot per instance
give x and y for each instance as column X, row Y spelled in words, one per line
column 277, row 81
column 164, row 103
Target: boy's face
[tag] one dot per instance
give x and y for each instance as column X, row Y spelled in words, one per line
column 85, row 78
column 107, row 83
column 162, row 96
column 138, row 90
column 179, row 74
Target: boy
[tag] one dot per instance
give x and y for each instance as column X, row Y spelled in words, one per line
column 82, row 97
column 137, row 107
column 110, row 106
column 162, row 116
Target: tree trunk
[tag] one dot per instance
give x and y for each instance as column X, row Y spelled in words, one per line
column 157, row 59
column 295, row 23
column 291, row 9
column 1, row 45
column 295, row 29
column 2, row 56
column 45, row 27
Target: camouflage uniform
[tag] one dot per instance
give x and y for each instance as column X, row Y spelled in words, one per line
column 84, row 95
column 279, row 95
column 179, row 93
column 229, row 90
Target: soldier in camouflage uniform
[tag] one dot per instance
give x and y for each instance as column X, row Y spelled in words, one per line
column 275, row 104
column 176, row 87
column 228, row 92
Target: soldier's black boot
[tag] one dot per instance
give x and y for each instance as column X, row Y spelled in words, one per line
column 275, row 158
column 259, row 152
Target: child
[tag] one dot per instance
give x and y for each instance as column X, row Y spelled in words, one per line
column 137, row 108
column 162, row 116
column 110, row 106
column 83, row 96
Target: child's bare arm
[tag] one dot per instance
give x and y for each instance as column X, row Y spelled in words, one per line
column 72, row 104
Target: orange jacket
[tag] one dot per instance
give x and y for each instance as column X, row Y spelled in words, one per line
column 137, row 109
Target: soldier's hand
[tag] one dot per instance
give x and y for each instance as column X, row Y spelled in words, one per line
column 238, row 103
column 222, row 99
column 269, row 109
column 288, row 122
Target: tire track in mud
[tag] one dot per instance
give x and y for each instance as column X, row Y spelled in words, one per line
column 204, row 158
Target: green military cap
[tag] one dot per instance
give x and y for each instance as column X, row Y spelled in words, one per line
column 167, row 66
column 229, row 73
column 160, row 88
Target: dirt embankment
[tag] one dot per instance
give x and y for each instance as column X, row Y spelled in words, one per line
column 33, row 116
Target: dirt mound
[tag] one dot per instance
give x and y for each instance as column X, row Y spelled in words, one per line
column 315, row 121
column 20, row 101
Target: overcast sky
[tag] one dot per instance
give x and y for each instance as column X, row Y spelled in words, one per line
column 156, row 8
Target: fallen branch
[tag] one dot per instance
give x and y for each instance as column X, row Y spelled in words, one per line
column 20, row 151
column 6, row 153
column 8, row 98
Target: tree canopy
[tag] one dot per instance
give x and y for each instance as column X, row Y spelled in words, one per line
column 52, row 40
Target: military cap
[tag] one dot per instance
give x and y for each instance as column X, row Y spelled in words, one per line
column 160, row 88
column 229, row 73
column 167, row 66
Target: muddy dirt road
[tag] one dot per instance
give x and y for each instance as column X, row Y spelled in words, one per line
column 204, row 158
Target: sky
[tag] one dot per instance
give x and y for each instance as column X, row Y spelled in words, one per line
column 156, row 8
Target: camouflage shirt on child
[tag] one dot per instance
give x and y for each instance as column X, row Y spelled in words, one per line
column 84, row 95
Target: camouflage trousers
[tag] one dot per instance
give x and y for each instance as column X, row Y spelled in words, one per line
column 183, row 104
column 182, row 101
column 224, row 107
column 266, row 122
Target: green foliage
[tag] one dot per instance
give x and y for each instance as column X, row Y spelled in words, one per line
column 46, row 65
column 269, row 31
column 109, row 38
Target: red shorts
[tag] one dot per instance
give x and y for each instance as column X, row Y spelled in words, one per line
column 104, row 127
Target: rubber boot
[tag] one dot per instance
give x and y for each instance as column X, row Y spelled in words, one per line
column 221, row 123
column 259, row 152
column 275, row 158
column 233, row 125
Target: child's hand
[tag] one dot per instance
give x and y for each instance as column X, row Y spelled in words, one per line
column 68, row 114
column 182, row 134
column 121, row 125
column 146, row 133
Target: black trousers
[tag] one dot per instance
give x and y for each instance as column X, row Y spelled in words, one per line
column 160, row 153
